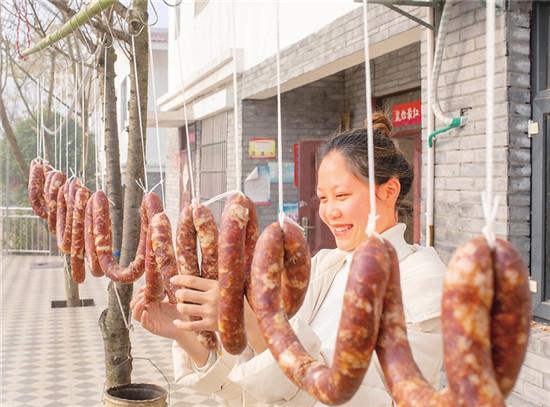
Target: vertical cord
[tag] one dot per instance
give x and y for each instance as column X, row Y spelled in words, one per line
column 236, row 136
column 96, row 131
column 371, row 225
column 156, row 117
column 488, row 203
column 38, row 118
column 279, row 125
column 54, row 131
column 104, row 165
column 67, row 130
column 189, row 162
column 83, row 124
column 75, row 117
column 136, row 80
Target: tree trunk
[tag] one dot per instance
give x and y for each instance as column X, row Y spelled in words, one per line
column 71, row 288
column 136, row 131
column 14, row 147
column 116, row 339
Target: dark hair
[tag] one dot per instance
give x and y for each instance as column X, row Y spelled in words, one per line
column 389, row 161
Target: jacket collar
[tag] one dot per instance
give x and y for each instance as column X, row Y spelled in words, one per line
column 334, row 261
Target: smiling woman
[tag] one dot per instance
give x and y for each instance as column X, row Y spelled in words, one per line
column 343, row 189
column 343, row 193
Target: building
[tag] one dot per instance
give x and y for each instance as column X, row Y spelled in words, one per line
column 322, row 84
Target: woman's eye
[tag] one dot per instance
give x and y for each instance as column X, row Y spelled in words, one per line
column 341, row 196
column 322, row 199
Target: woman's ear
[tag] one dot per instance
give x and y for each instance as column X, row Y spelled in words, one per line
column 389, row 191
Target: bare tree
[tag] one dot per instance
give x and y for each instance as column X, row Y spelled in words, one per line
column 127, row 29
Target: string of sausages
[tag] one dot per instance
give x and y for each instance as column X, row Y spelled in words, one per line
column 485, row 308
column 81, row 222
column 486, row 315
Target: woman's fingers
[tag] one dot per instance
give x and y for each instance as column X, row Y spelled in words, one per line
column 200, row 325
column 194, row 296
column 192, row 310
column 137, row 309
column 196, row 283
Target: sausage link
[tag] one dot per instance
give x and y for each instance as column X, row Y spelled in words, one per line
column 207, row 234
column 160, row 260
column 510, row 314
column 186, row 244
column 359, row 320
column 150, row 205
column 77, row 240
column 154, row 290
column 61, row 214
column 297, row 266
column 164, row 252
column 89, row 244
column 56, row 182
column 36, row 189
column 73, row 188
column 466, row 307
column 231, row 274
column 251, row 237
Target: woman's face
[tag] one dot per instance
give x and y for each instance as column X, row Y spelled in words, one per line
column 344, row 201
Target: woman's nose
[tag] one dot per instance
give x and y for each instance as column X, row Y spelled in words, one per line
column 334, row 212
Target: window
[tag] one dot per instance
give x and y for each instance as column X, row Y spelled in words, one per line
column 213, row 161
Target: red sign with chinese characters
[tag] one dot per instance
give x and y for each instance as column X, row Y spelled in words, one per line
column 406, row 114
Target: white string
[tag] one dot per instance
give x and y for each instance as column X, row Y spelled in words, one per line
column 236, row 136
column 157, row 133
column 219, row 197
column 128, row 326
column 488, row 204
column 75, row 116
column 371, row 225
column 55, row 130
column 96, row 131
column 83, row 124
column 104, row 166
column 189, row 162
column 136, row 80
column 279, row 126
column 67, row 129
column 38, row 118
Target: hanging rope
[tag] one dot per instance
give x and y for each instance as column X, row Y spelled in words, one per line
column 38, row 118
column 67, row 129
column 136, row 80
column 281, row 213
column 371, row 225
column 104, row 166
column 96, row 131
column 75, row 118
column 236, row 135
column 83, row 120
column 157, row 135
column 189, row 162
column 489, row 204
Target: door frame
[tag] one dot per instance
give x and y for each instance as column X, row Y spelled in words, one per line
column 540, row 161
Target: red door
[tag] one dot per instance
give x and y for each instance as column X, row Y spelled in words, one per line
column 317, row 233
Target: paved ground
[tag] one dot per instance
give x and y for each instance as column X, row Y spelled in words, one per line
column 54, row 357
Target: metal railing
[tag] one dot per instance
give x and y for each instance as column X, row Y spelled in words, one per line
column 23, row 231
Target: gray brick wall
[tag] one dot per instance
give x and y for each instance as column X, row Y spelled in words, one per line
column 394, row 72
column 312, row 111
column 342, row 37
column 460, row 154
column 519, row 112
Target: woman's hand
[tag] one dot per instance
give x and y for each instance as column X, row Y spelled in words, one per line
column 197, row 297
column 156, row 317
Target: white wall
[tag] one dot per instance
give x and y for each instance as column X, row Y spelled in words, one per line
column 210, row 33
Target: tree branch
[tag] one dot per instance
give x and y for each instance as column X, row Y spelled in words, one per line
column 121, row 35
